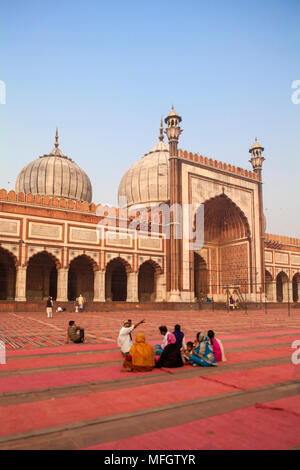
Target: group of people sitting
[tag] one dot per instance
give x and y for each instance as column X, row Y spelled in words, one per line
column 205, row 351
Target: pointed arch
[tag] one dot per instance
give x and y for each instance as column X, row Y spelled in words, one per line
column 41, row 252
column 41, row 277
column 282, row 286
column 88, row 258
column 122, row 260
column 155, row 264
column 148, row 274
column 296, row 287
column 11, row 254
column 8, row 264
column 223, row 220
column 116, row 277
column 81, row 277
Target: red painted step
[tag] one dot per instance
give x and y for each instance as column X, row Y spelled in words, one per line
column 247, row 428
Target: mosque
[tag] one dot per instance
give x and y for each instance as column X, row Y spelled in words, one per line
column 55, row 241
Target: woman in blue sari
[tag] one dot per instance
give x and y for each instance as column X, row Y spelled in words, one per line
column 202, row 354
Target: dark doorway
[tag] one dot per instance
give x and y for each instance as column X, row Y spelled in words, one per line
column 41, row 279
column 116, row 281
column 146, row 282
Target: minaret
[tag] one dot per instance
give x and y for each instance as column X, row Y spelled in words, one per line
column 257, row 158
column 173, row 132
column 256, row 161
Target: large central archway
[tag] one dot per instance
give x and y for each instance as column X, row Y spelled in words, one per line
column 227, row 243
column 7, row 275
column 41, row 279
column 116, row 280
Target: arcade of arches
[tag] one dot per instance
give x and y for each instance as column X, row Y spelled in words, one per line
column 120, row 284
column 43, row 279
column 227, row 243
column 281, row 289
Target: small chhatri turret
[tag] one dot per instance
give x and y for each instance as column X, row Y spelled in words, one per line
column 173, row 131
column 257, row 158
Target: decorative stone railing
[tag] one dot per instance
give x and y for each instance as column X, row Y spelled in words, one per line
column 276, row 241
column 217, row 164
column 48, row 202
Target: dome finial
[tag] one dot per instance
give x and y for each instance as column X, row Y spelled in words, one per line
column 56, row 151
column 56, row 139
column 161, row 130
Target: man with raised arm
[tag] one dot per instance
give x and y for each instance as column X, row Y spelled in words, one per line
column 125, row 340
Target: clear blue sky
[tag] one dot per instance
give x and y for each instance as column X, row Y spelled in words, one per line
column 104, row 73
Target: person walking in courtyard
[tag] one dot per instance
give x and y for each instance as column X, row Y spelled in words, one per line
column 124, row 339
column 81, row 302
column 217, row 346
column 140, row 357
column 202, row 354
column 49, row 307
column 76, row 303
column 75, row 333
column 231, row 303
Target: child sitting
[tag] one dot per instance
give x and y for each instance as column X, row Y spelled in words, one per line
column 187, row 353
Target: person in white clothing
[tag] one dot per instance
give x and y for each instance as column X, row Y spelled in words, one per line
column 159, row 348
column 125, row 340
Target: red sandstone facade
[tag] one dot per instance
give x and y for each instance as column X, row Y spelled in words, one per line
column 63, row 247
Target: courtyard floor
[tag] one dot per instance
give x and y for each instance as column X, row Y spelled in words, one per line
column 55, row 395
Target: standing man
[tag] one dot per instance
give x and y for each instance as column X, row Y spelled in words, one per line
column 125, row 339
column 81, row 303
column 49, row 306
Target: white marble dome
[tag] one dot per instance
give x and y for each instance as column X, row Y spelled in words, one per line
column 55, row 175
column 147, row 181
